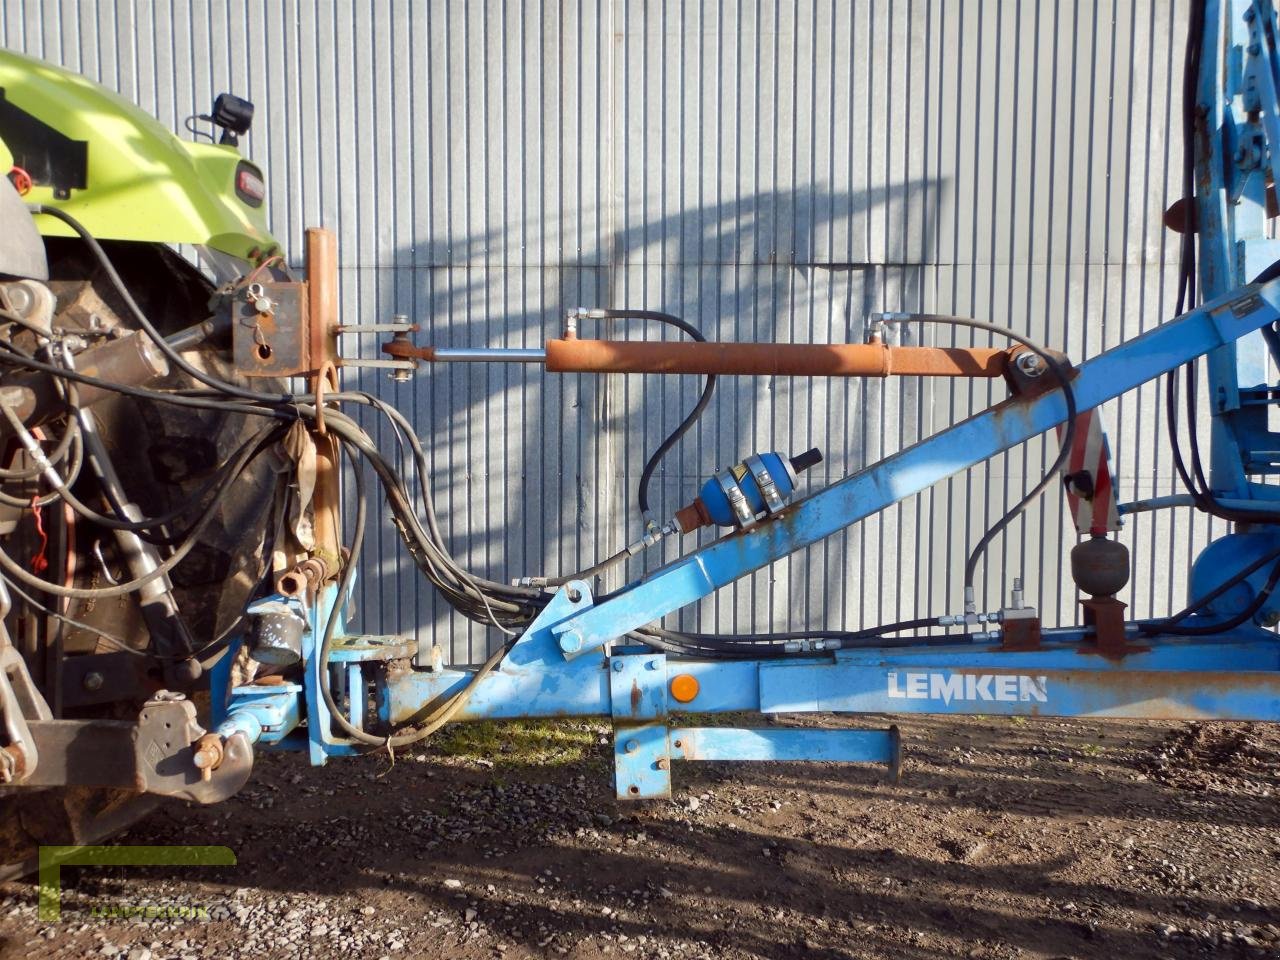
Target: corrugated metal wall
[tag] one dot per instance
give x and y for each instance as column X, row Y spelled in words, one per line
column 769, row 170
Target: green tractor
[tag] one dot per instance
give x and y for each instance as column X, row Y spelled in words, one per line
column 125, row 256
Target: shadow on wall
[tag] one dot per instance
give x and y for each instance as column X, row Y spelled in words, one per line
column 535, row 473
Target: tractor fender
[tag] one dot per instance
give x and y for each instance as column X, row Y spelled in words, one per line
column 121, row 173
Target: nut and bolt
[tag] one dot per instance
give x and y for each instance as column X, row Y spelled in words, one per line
column 632, row 746
column 257, row 295
column 93, row 681
column 571, row 641
column 1031, row 364
column 401, row 374
column 662, row 763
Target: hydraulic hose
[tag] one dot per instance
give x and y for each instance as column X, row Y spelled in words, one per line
column 704, row 399
column 1231, row 623
column 1169, row 624
column 1064, row 450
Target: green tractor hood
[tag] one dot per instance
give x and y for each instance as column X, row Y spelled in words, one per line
column 119, row 171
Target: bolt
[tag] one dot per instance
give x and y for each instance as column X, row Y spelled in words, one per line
column 651, row 664
column 618, row 666
column 662, row 763
column 93, row 680
column 1031, row 364
column 574, row 594
column 401, row 375
column 632, row 746
column 571, row 641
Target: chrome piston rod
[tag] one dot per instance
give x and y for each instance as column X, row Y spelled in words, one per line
column 488, row 355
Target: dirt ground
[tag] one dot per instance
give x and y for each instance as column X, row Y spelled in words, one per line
column 1005, row 838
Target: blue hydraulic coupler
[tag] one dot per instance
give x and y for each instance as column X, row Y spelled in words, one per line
column 758, row 487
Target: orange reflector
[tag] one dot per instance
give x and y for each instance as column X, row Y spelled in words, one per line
column 684, row 687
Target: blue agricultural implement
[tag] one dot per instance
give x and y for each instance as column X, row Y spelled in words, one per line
column 284, row 673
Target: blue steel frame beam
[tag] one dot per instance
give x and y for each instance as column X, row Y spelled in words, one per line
column 1234, row 676
column 970, row 442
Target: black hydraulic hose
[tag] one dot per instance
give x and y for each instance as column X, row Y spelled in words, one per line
column 597, row 570
column 1171, row 424
column 1230, row 624
column 1068, row 437
column 8, row 316
column 221, row 481
column 704, row 399
column 191, row 540
column 1168, row 624
column 285, row 412
column 436, row 718
column 780, row 637
column 1186, row 250
column 75, row 461
column 671, row 643
column 122, row 291
column 54, row 457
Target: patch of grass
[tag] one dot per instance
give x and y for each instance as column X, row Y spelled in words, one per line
column 737, row 719
column 538, row 742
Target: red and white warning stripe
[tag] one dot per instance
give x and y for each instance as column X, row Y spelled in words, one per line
column 1092, row 501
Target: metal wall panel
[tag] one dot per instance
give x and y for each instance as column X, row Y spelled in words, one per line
column 765, row 169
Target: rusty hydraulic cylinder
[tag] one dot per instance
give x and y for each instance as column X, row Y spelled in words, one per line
column 773, row 359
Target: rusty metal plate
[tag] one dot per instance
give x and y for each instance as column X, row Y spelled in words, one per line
column 274, row 342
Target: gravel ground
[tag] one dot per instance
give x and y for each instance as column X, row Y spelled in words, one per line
column 1006, row 838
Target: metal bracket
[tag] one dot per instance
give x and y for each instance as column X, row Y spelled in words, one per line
column 638, row 701
column 737, row 499
column 768, row 489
